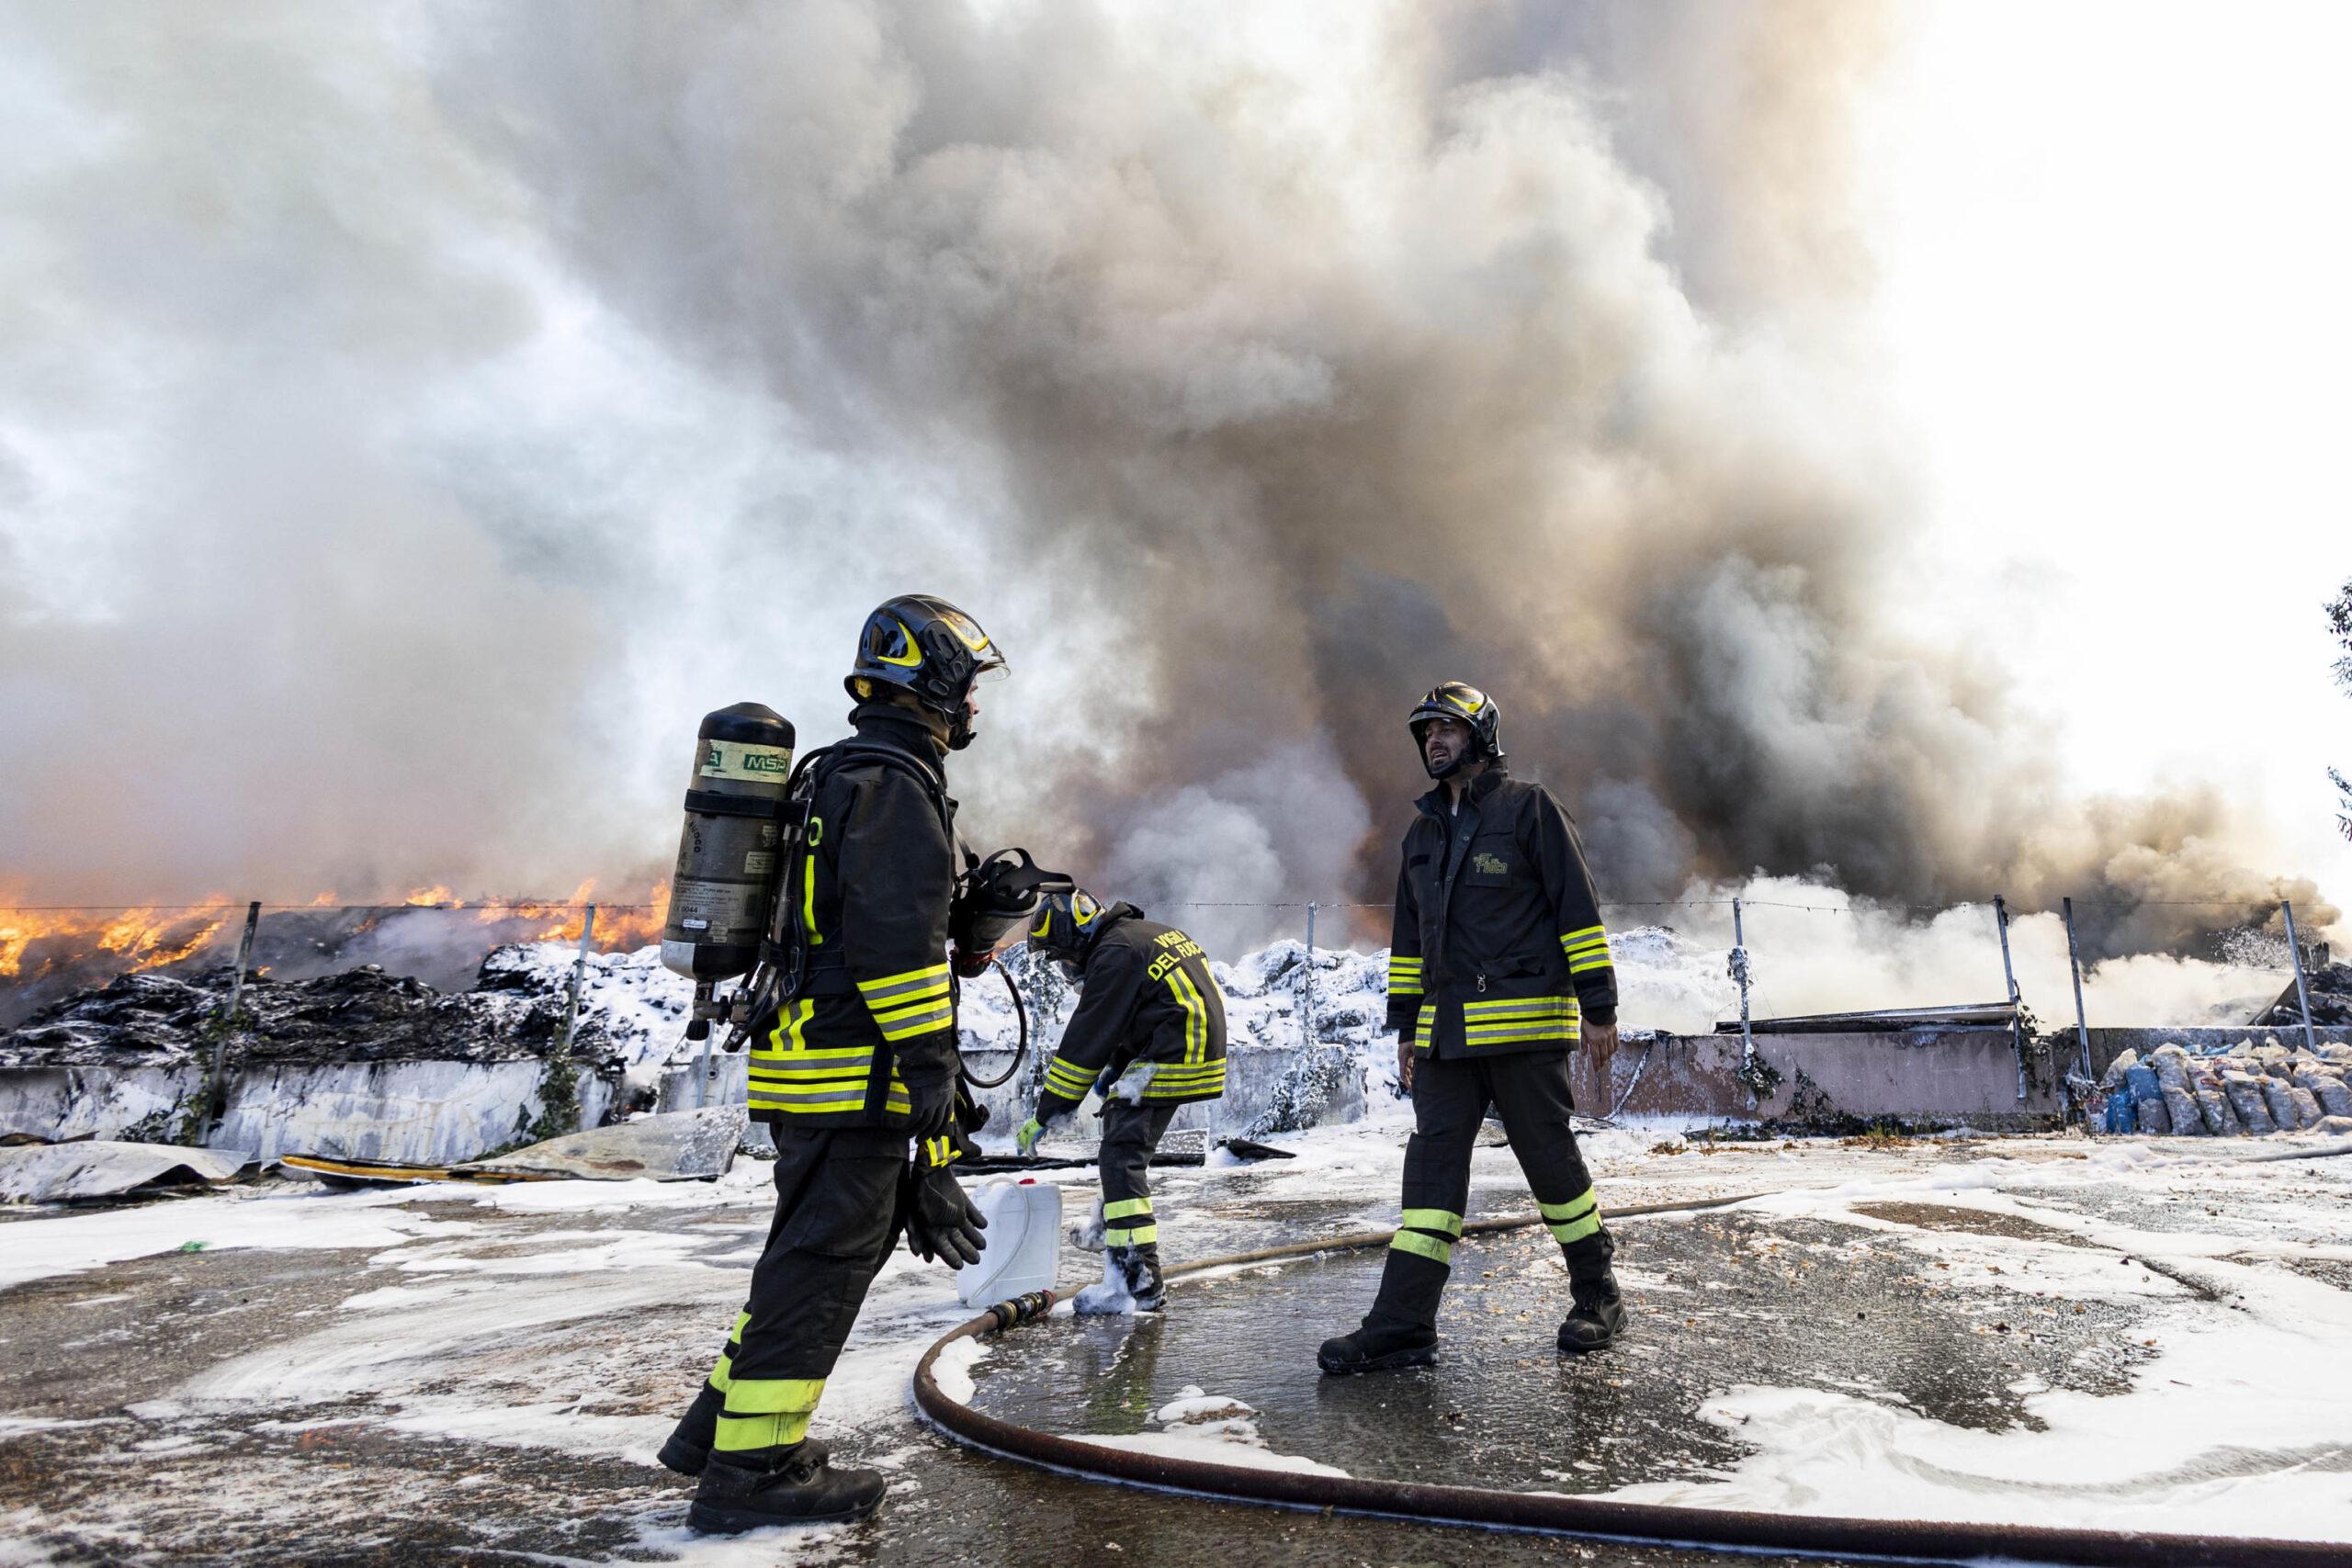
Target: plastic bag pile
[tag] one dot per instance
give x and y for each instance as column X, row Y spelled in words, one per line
column 2249, row 1090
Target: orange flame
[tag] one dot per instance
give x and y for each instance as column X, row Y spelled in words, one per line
column 137, row 939
column 152, row 936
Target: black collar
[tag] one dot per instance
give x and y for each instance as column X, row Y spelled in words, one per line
column 1434, row 803
column 890, row 725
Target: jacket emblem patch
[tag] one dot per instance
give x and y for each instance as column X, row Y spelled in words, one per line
column 1489, row 866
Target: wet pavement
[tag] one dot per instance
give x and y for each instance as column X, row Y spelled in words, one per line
column 1720, row 1300
column 489, row 1387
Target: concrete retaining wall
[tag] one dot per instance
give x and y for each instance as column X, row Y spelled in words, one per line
column 1952, row 1076
column 441, row 1112
column 412, row 1112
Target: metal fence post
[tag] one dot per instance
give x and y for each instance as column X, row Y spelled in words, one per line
column 2074, row 965
column 2010, row 974
column 2295, row 954
column 216, row 1088
column 1306, row 995
column 1739, row 973
column 579, row 972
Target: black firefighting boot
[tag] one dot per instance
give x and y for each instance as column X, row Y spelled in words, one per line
column 1400, row 1329
column 1596, row 1312
column 780, row 1486
column 688, row 1447
column 1130, row 1282
column 1380, row 1345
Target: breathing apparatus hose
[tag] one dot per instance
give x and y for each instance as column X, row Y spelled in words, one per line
column 1021, row 1027
column 1589, row 1517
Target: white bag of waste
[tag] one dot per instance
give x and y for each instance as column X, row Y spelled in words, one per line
column 2182, row 1109
column 2221, row 1121
column 2113, row 1077
column 2172, row 1066
column 2155, row 1118
column 2246, row 1095
column 2328, row 1089
column 2281, row 1100
column 1024, row 1237
column 2307, row 1108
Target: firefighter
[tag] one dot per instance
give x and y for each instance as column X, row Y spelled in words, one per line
column 861, row 1060
column 1149, row 1032
column 1499, row 968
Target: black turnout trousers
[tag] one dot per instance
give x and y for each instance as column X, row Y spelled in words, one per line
column 835, row 1190
column 1129, row 1134
column 1451, row 1097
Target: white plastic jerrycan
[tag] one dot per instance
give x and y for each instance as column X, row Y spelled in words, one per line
column 1024, row 1242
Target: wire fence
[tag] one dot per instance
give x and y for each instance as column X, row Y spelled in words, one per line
column 614, row 923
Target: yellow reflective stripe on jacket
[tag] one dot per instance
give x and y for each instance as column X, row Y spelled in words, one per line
column 788, row 1076
column 1404, row 977
column 939, row 1153
column 899, row 990
column 1587, row 950
column 908, row 1022
column 1520, row 1021
column 1190, row 1083
column 1444, row 1220
column 1196, row 1014
column 1068, row 1080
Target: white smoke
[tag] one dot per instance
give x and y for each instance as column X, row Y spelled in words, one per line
column 1814, row 948
column 413, row 418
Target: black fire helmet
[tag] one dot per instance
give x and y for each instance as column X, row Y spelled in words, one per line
column 1065, row 926
column 931, row 650
column 1456, row 700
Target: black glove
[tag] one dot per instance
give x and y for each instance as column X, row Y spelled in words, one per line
column 932, row 1107
column 942, row 1225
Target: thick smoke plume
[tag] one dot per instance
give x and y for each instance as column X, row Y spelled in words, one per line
column 413, row 419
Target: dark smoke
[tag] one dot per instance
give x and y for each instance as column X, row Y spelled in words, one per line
column 417, row 419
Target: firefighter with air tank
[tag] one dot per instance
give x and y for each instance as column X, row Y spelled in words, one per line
column 857, row 1059
column 1499, row 968
column 1149, row 1035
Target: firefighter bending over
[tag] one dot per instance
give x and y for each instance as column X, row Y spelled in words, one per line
column 1498, row 966
column 862, row 1058
column 1150, row 1029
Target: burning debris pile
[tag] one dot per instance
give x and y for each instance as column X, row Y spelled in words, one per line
column 356, row 1064
column 2247, row 1090
column 2329, row 985
column 47, row 956
column 359, row 1015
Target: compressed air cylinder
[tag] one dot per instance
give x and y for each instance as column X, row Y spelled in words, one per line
column 727, row 859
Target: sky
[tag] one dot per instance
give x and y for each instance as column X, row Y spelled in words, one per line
column 1907, row 431
column 2117, row 321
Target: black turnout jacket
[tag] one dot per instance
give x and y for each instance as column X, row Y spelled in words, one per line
column 878, row 874
column 1499, row 947
column 1151, row 1019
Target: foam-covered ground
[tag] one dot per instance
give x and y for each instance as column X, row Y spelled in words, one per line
column 2054, row 1332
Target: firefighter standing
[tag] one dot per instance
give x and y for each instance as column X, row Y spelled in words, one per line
column 1499, row 964
column 1150, row 1028
column 859, row 1060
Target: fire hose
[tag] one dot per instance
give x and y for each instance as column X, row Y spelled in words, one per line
column 1021, row 1027
column 1593, row 1518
